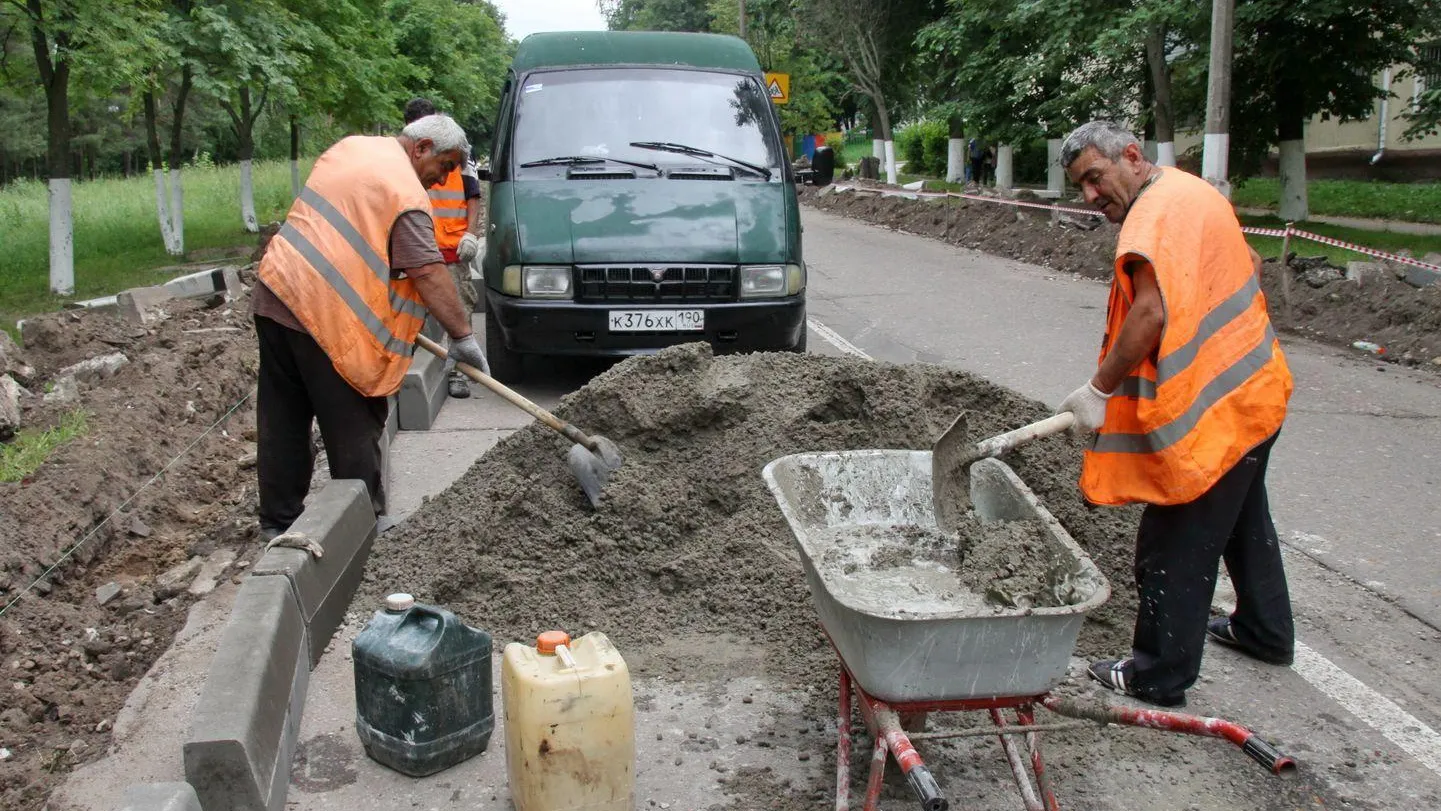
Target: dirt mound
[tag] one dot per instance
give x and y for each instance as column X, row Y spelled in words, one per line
column 1083, row 245
column 1384, row 310
column 70, row 662
column 688, row 540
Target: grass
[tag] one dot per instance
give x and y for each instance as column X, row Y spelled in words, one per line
column 1407, row 202
column 24, row 454
column 1270, row 247
column 117, row 234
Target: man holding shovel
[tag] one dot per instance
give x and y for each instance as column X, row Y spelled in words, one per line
column 1186, row 402
column 344, row 289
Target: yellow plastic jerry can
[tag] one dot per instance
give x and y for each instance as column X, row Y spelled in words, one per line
column 569, row 725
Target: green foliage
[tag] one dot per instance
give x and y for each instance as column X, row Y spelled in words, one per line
column 24, row 454
column 923, row 146
column 1406, row 202
column 458, row 55
column 656, row 15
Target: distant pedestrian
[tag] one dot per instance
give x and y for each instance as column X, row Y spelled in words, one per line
column 978, row 160
column 1186, row 402
column 345, row 286
column 988, row 166
column 457, row 228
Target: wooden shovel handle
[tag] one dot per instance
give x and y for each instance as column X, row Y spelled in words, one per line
column 1009, row 441
column 571, row 432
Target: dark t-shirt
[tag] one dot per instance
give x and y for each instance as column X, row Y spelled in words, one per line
column 412, row 248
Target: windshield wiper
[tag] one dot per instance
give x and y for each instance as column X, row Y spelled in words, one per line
column 682, row 149
column 576, row 160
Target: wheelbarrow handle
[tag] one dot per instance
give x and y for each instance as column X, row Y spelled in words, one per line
column 515, row 398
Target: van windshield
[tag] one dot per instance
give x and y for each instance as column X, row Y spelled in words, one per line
column 600, row 112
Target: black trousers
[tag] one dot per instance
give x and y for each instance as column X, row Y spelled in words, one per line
column 298, row 383
column 1178, row 550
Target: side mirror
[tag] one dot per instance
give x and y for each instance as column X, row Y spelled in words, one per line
column 483, row 172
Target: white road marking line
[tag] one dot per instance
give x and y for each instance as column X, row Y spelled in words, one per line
column 1375, row 710
column 834, row 339
column 1379, row 712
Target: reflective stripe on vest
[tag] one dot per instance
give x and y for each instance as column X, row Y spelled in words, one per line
column 447, row 208
column 327, row 262
column 1218, row 384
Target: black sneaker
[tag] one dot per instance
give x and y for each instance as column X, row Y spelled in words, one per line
column 1219, row 629
column 459, row 386
column 1118, row 674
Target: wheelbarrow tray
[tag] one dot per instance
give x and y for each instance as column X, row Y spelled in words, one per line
column 925, row 649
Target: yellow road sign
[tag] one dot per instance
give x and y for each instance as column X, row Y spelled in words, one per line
column 778, row 85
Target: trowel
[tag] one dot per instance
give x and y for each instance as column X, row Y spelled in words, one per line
column 592, row 458
column 954, row 453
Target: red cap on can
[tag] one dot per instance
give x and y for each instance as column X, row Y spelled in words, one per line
column 548, row 641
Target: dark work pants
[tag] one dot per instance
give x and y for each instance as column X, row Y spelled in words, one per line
column 1178, row 549
column 298, row 383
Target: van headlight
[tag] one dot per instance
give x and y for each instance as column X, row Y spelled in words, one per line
column 763, row 281
column 537, row 281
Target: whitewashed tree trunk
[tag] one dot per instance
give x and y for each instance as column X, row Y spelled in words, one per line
column 955, row 160
column 891, row 162
column 1216, row 160
column 247, row 197
column 1055, row 175
column 162, row 209
column 1166, row 153
column 1294, row 206
column 878, row 149
column 295, row 178
column 62, row 238
column 177, row 210
column 1005, row 160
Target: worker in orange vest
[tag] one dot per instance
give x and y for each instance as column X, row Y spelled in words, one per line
column 457, row 228
column 1185, row 404
column 345, row 286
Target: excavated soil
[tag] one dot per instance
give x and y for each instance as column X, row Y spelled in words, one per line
column 69, row 663
column 1384, row 309
column 688, row 540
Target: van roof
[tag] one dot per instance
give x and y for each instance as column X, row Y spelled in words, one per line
column 561, row 49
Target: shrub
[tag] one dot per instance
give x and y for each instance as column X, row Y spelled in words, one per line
column 922, row 146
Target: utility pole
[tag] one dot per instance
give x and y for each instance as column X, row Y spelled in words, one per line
column 1215, row 158
column 743, row 18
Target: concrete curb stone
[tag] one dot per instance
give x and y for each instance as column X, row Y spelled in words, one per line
column 423, row 392
column 160, row 797
column 339, row 518
column 247, row 721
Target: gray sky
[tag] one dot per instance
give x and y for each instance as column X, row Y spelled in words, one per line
column 529, row 16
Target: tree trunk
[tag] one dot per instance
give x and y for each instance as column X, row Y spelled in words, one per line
column 1005, row 155
column 884, row 119
column 1161, row 94
column 294, row 156
column 1055, row 175
column 55, row 77
column 245, row 131
column 955, row 150
column 177, row 159
column 1291, row 129
column 162, row 201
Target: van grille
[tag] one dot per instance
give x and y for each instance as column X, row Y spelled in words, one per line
column 655, row 284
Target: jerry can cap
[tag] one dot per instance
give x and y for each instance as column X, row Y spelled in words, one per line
column 399, row 602
column 548, row 641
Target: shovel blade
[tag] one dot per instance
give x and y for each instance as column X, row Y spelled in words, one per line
column 951, row 459
column 593, row 469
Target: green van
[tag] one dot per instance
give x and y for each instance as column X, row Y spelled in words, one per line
column 639, row 198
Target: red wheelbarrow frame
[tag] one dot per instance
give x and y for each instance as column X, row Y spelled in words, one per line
column 886, row 723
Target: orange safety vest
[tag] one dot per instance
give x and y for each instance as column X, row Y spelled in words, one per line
column 447, row 205
column 1217, row 385
column 330, row 261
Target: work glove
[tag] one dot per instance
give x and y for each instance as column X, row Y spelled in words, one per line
column 1088, row 404
column 469, row 246
column 466, row 350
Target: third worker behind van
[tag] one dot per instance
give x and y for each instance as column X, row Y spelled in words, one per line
column 640, row 198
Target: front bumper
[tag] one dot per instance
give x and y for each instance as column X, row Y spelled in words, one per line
column 568, row 328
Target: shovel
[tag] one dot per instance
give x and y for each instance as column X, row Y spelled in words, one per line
column 953, row 454
column 592, row 458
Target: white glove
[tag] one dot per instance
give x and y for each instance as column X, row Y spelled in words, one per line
column 466, row 350
column 1088, row 403
column 469, row 246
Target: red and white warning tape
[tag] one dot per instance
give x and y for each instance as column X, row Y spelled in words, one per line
column 1279, row 233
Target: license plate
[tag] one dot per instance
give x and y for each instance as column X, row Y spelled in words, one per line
column 657, row 320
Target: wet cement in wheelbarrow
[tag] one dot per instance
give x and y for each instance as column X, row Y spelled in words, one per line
column 985, row 569
column 688, row 540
